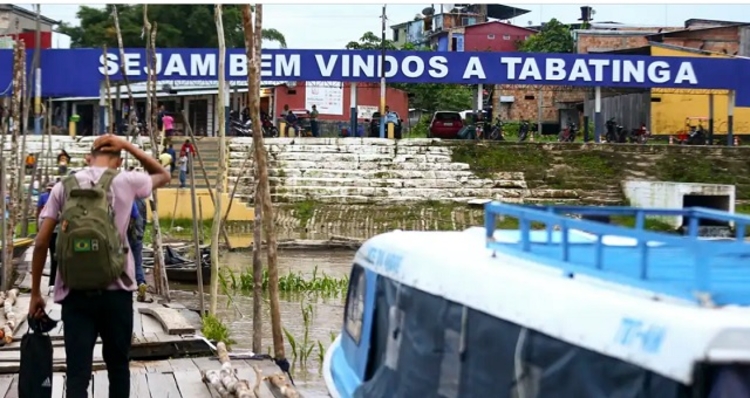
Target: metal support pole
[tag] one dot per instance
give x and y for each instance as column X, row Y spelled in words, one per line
column 539, row 110
column 353, row 104
column 710, row 119
column 730, row 117
column 586, row 136
column 227, row 124
column 480, row 97
column 382, row 77
column 598, row 121
column 102, row 108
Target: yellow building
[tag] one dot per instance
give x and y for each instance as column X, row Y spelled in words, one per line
column 672, row 109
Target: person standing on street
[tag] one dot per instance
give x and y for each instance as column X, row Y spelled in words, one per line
column 314, row 121
column 93, row 210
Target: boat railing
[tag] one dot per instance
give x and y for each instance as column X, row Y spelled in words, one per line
column 700, row 253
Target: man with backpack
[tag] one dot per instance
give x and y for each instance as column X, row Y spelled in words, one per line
column 96, row 272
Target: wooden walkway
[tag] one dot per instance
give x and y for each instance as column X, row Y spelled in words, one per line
column 167, row 356
column 173, row 378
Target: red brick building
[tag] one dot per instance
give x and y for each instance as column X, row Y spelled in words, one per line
column 493, row 36
column 368, row 97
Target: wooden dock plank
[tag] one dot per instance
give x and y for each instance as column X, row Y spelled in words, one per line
column 183, row 365
column 163, row 385
column 158, row 367
column 13, row 389
column 191, row 385
column 58, row 385
column 139, row 385
column 151, row 326
column 101, row 384
column 137, row 325
column 5, row 383
column 171, row 320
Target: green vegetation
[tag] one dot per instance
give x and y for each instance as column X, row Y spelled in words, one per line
column 179, row 26
column 584, row 167
column 304, row 211
column 554, row 37
column 486, row 159
column 214, row 329
column 290, row 283
column 714, row 168
column 302, row 348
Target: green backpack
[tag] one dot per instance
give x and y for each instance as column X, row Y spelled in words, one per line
column 90, row 251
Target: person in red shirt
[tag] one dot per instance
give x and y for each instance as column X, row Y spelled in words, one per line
column 187, row 147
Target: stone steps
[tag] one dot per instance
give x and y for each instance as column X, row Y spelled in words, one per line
column 368, row 166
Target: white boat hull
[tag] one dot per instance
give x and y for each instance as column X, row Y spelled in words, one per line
column 328, row 371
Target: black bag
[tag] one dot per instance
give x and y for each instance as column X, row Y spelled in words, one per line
column 35, row 375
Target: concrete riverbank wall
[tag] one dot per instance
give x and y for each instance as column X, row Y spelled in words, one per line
column 344, row 174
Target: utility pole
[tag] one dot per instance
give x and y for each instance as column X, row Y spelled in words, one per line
column 38, row 74
column 382, row 77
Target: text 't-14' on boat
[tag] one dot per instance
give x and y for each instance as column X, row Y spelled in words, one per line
column 565, row 306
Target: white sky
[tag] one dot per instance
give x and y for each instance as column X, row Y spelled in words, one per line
column 332, row 26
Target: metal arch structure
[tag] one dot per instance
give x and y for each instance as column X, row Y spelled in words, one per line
column 80, row 72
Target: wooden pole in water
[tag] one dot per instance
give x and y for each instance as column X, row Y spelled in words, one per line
column 189, row 130
column 257, row 266
column 253, row 36
column 196, row 224
column 20, row 200
column 19, row 65
column 160, row 272
column 216, row 224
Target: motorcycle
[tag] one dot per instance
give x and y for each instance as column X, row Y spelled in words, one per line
column 611, row 134
column 639, row 135
column 568, row 134
column 496, row 130
column 697, row 136
column 523, row 131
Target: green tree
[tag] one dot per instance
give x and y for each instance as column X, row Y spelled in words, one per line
column 554, row 37
column 428, row 96
column 179, row 26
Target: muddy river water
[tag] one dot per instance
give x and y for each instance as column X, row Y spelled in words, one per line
column 235, row 310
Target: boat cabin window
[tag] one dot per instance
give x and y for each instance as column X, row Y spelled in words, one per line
column 355, row 303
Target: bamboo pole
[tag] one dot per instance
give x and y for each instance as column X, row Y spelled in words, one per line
column 10, row 315
column 189, row 130
column 3, row 186
column 196, row 225
column 216, row 224
column 257, row 266
column 19, row 65
column 253, row 36
column 107, row 86
column 160, row 272
column 244, row 166
column 132, row 115
column 200, row 215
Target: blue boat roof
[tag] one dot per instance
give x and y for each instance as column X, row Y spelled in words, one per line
column 685, row 266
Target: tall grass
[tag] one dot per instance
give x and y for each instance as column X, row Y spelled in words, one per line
column 292, row 282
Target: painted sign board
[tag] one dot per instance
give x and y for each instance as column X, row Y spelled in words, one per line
column 78, row 72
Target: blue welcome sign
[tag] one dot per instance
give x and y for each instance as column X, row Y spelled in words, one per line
column 78, row 72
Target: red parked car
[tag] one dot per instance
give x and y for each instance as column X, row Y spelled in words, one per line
column 446, row 124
